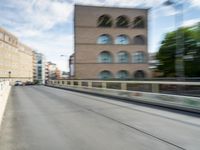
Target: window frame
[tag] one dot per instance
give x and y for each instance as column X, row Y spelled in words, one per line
column 120, row 56
column 125, row 38
column 123, row 18
column 110, row 76
column 138, row 57
column 109, row 39
column 103, row 25
column 139, row 40
column 103, row 60
column 124, row 71
column 141, row 25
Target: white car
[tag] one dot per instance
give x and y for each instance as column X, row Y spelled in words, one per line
column 18, row 83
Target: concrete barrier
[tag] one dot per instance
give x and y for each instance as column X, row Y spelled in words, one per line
column 186, row 103
column 4, row 93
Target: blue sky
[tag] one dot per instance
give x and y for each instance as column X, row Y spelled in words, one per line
column 47, row 25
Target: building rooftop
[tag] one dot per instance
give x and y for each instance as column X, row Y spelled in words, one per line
column 7, row 32
column 110, row 7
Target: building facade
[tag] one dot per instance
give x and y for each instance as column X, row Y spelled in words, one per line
column 16, row 59
column 58, row 74
column 51, row 73
column 110, row 43
column 40, row 66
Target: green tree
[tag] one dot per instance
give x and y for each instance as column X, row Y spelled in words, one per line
column 167, row 52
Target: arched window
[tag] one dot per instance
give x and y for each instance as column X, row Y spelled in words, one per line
column 104, row 39
column 139, row 22
column 139, row 74
column 105, row 75
column 138, row 57
column 122, row 39
column 104, row 21
column 105, row 57
column 122, row 57
column 122, row 22
column 139, row 40
column 122, row 74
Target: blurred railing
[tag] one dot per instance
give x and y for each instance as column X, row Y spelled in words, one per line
column 4, row 84
column 4, row 93
column 165, row 87
column 181, row 94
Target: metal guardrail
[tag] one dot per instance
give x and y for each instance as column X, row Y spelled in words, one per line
column 184, row 95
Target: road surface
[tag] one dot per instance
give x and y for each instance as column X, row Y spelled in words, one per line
column 44, row 118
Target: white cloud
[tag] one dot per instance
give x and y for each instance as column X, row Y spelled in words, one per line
column 195, row 3
column 190, row 22
column 126, row 3
column 40, row 14
column 46, row 14
column 27, row 33
column 162, row 11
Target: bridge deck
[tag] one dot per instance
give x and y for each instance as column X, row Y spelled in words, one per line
column 43, row 118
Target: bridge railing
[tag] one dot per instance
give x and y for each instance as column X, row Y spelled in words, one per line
column 180, row 94
column 4, row 84
column 4, row 93
column 167, row 87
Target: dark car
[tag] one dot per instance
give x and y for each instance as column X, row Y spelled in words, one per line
column 29, row 83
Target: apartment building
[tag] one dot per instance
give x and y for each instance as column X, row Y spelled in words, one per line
column 51, row 70
column 16, row 59
column 40, row 66
column 110, row 43
column 58, row 74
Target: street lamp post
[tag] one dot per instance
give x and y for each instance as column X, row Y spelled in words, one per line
column 179, row 62
column 9, row 74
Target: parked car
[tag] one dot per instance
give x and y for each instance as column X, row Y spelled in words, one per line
column 18, row 83
column 29, row 83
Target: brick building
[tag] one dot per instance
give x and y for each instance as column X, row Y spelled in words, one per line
column 110, row 43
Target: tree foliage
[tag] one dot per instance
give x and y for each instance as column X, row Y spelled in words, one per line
column 191, row 56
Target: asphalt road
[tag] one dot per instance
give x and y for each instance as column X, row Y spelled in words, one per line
column 44, row 118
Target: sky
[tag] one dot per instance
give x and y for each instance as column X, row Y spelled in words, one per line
column 47, row 25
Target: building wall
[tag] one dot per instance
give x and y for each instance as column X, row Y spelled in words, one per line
column 15, row 58
column 34, row 66
column 87, row 50
column 91, row 71
column 25, row 61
